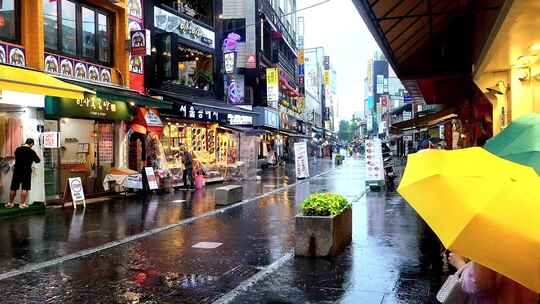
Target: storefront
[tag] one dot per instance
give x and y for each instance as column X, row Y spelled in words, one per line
column 203, row 132
column 21, row 117
column 22, row 99
column 90, row 133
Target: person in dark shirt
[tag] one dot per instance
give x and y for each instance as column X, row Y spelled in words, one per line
column 187, row 175
column 22, row 173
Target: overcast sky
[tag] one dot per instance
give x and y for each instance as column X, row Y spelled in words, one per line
column 338, row 27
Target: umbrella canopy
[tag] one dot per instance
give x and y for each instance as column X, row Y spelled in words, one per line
column 519, row 142
column 481, row 206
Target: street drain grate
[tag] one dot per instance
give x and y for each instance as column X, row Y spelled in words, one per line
column 207, row 245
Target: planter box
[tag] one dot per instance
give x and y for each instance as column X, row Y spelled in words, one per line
column 319, row 236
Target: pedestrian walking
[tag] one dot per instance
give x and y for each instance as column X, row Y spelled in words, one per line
column 187, row 174
column 22, row 173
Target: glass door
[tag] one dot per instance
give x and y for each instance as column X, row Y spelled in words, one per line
column 50, row 162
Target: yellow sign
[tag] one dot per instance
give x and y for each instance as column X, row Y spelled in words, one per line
column 272, row 84
column 326, row 77
column 301, row 57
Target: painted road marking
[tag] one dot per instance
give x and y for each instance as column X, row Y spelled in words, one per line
column 207, row 245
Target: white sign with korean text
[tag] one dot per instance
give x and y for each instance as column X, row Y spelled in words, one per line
column 134, row 181
column 301, row 160
column 374, row 161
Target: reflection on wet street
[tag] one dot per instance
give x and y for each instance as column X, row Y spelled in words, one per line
column 382, row 265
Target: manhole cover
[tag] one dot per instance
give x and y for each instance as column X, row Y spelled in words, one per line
column 207, row 245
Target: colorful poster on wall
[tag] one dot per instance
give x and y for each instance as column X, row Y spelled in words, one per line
column 272, row 84
column 50, row 140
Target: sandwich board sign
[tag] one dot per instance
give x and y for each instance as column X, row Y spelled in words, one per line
column 77, row 191
column 151, row 177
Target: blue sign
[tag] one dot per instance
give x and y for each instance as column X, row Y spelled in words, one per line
column 266, row 118
column 300, row 69
column 407, row 99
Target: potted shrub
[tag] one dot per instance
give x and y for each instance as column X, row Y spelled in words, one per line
column 324, row 228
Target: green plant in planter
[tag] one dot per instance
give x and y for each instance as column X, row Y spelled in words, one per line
column 324, row 204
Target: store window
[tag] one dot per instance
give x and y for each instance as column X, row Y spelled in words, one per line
column 195, row 68
column 89, row 32
column 77, row 30
column 9, row 21
column 69, row 28
column 50, row 20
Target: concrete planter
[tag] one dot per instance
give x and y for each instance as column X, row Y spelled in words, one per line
column 320, row 236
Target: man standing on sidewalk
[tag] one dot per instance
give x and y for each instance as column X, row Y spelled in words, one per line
column 22, row 173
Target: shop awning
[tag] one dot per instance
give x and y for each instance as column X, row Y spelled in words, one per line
column 293, row 134
column 425, row 121
column 30, row 81
column 207, row 102
column 124, row 94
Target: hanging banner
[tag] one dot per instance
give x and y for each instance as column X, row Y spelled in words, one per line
column 272, row 84
column 151, row 177
column 301, row 160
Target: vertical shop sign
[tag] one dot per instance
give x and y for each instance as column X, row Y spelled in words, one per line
column 272, row 84
column 138, row 42
column 229, row 58
column 151, row 177
column 301, row 160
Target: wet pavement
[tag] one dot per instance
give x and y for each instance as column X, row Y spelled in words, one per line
column 384, row 264
column 60, row 232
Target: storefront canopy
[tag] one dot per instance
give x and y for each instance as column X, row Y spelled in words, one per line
column 206, row 102
column 431, row 45
column 126, row 95
column 425, row 121
column 30, row 81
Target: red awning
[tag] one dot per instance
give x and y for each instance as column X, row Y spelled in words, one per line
column 147, row 121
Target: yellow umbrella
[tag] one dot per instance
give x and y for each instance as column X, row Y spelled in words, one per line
column 481, row 206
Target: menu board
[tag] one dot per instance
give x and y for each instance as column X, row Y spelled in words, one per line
column 374, row 161
column 301, row 160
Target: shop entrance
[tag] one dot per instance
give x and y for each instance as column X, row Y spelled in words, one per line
column 86, row 151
